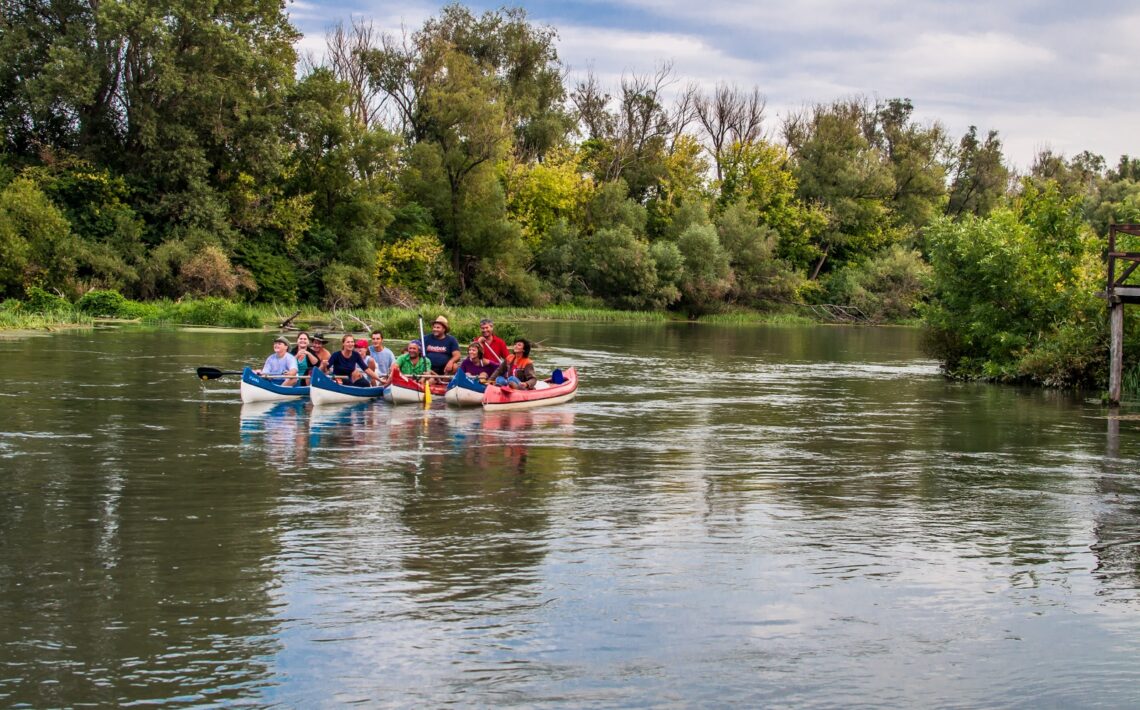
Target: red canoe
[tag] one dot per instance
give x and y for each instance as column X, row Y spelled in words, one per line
column 497, row 399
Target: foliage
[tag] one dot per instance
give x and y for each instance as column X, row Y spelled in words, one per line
column 839, row 168
column 708, row 276
column 36, row 242
column 759, row 276
column 979, row 177
column 106, row 304
column 414, row 266
column 178, row 151
column 889, row 286
column 1014, row 292
column 41, row 301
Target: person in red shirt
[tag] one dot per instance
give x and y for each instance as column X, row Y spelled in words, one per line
column 494, row 347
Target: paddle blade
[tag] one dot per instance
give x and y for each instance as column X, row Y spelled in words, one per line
column 213, row 373
column 427, row 393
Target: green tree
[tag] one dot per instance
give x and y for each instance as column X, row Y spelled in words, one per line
column 1014, row 293
column 760, row 276
column 36, row 243
column 918, row 157
column 761, row 176
column 978, row 178
column 838, row 169
column 708, row 275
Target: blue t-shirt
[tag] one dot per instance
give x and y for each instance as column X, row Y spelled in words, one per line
column 383, row 359
column 341, row 366
column 439, row 350
column 279, row 365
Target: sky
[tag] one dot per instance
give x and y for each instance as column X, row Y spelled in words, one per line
column 1050, row 74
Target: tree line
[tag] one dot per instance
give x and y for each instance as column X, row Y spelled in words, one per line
column 178, row 149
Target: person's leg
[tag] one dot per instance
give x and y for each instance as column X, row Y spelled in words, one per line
column 501, row 381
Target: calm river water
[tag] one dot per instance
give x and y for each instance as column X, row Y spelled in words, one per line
column 808, row 517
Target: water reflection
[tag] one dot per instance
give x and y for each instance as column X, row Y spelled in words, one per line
column 833, row 511
column 475, row 507
column 279, row 428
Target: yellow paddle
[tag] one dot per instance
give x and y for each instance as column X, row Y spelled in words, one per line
column 423, row 380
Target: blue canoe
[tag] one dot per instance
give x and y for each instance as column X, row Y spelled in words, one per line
column 326, row 390
column 462, row 391
column 255, row 388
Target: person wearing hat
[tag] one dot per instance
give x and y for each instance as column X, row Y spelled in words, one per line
column 280, row 366
column 318, row 348
column 441, row 348
column 372, row 371
column 346, row 365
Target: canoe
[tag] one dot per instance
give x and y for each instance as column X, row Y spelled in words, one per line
column 255, row 388
column 326, row 390
column 406, row 391
column 501, row 399
column 462, row 391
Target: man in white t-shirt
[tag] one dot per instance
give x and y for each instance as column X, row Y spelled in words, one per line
column 281, row 366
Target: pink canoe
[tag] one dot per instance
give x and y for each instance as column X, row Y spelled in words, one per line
column 550, row 391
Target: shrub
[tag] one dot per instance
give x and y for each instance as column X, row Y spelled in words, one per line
column 208, row 272
column 106, row 304
column 210, row 311
column 346, row 286
column 41, row 301
column 888, row 286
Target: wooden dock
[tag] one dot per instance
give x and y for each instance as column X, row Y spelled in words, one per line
column 1121, row 265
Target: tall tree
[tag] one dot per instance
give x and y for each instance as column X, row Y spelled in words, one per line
column 979, row 178
column 728, row 118
column 839, row 169
column 918, row 157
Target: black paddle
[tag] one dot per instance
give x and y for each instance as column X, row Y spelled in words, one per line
column 213, row 373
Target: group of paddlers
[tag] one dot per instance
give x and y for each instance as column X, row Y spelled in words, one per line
column 362, row 363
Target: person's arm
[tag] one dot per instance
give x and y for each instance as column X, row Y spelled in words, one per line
column 371, row 371
column 291, row 371
column 527, row 376
column 500, row 370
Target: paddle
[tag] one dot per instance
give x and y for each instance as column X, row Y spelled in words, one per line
column 213, row 373
column 427, row 388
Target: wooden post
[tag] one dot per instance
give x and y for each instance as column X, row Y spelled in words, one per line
column 1115, row 351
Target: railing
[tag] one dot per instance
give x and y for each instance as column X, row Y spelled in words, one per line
column 1132, row 258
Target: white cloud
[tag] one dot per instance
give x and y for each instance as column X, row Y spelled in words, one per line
column 1051, row 74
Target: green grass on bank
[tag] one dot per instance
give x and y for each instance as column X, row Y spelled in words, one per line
column 749, row 318
column 42, row 310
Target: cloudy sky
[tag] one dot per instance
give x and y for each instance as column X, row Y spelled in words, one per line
column 1047, row 74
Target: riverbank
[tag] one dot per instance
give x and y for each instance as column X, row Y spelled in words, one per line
column 45, row 311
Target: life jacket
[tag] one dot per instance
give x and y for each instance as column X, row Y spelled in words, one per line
column 513, row 367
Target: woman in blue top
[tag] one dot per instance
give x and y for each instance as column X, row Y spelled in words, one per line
column 346, row 366
column 306, row 359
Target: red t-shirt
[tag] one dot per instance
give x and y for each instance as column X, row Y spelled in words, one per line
column 494, row 349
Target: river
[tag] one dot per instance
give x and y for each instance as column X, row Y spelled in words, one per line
column 788, row 516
